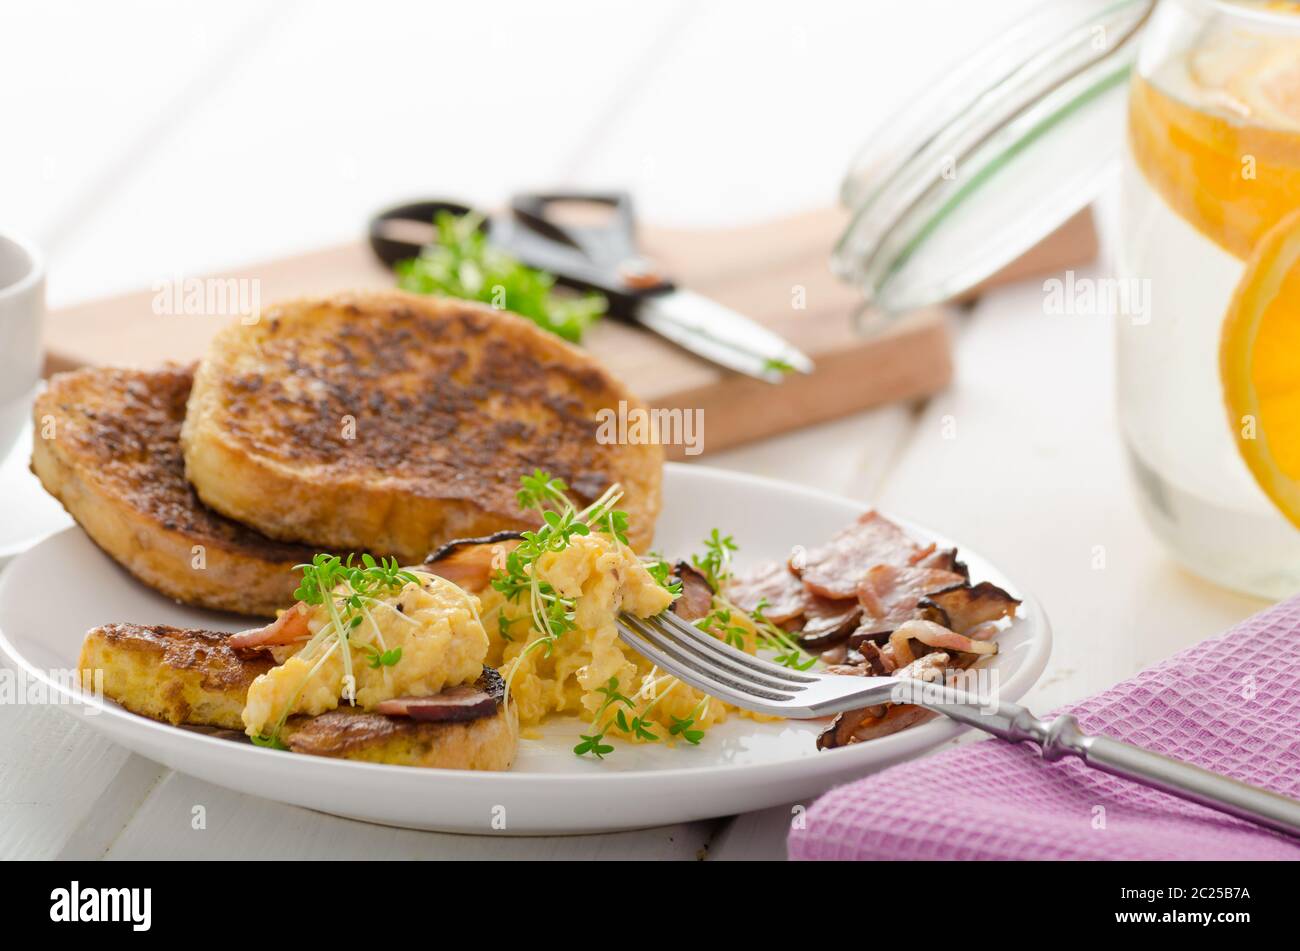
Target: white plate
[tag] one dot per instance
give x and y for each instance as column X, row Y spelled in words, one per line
column 50, row 596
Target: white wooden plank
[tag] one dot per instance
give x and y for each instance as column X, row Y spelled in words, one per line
column 239, row 826
column 755, row 836
column 340, row 111
column 757, row 109
column 86, row 88
column 56, row 774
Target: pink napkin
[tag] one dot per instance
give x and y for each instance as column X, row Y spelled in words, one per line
column 1230, row 704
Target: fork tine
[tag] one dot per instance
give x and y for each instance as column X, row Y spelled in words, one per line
column 707, row 642
column 653, row 632
column 715, row 683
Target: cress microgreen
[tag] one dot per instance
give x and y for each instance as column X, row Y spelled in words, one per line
column 715, row 565
column 551, row 614
column 662, row 572
column 716, row 561
column 718, row 622
column 775, row 637
column 347, row 590
column 386, row 658
column 462, row 263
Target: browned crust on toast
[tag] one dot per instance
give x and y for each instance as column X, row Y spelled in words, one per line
column 173, row 674
column 193, row 677
column 398, row 422
column 108, row 447
column 350, row 733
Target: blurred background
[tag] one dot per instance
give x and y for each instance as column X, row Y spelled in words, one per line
column 145, row 139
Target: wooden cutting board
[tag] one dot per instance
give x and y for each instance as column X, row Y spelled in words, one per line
column 766, row 271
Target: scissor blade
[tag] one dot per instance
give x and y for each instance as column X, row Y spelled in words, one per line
column 721, row 335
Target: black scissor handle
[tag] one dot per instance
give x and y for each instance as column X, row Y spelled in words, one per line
column 600, row 257
column 597, row 257
column 390, row 248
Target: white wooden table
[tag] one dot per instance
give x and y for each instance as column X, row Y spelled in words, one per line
column 146, row 140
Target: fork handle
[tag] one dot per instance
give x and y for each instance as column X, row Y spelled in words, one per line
column 1062, row 737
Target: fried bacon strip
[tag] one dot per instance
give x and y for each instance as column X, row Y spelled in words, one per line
column 890, row 594
column 835, row 569
column 854, row 726
column 289, row 628
column 455, row 704
column 827, row 623
column 471, row 562
column 774, row 583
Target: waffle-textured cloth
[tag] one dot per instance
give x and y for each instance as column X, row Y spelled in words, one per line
column 1230, row 704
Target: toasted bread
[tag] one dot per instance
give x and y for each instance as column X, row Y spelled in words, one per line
column 107, row 446
column 348, row 733
column 395, row 422
column 172, row 674
column 194, row 678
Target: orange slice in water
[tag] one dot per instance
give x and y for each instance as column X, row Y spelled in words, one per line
column 1259, row 362
column 1227, row 159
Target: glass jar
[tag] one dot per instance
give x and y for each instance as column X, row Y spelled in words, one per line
column 1199, row 100
column 1212, row 164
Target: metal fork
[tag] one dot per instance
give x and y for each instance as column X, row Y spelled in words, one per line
column 721, row 671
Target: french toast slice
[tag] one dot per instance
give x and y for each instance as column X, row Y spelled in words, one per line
column 108, row 447
column 349, row 733
column 173, row 674
column 393, row 422
column 194, row 678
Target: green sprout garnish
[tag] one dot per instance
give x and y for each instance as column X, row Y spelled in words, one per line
column 718, row 622
column 380, row 658
column 715, row 565
column 347, row 590
column 662, row 572
column 461, row 263
column 551, row 614
column 776, row 638
column 716, row 562
column 594, row 742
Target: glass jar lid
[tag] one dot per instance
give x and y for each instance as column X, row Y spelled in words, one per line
column 984, row 165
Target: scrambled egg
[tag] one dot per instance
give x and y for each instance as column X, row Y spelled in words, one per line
column 604, row 578
column 434, row 623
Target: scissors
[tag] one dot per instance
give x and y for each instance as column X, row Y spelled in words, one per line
column 603, row 257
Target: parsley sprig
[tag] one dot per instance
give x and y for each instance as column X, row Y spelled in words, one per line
column 461, row 263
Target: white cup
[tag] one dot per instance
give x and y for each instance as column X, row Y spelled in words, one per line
column 22, row 310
